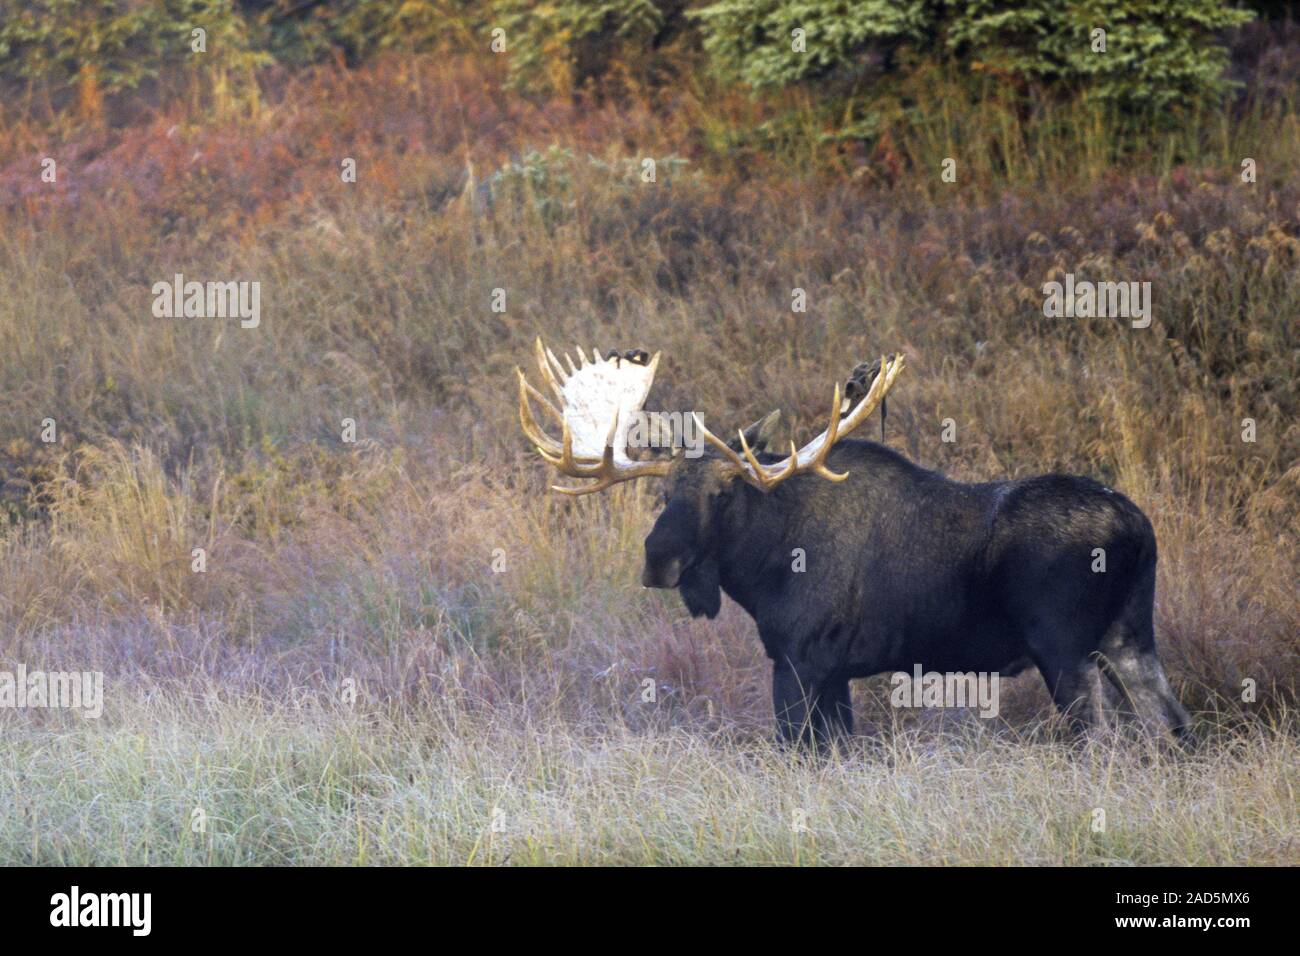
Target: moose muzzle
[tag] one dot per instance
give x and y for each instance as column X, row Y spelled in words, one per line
column 661, row 574
column 670, row 545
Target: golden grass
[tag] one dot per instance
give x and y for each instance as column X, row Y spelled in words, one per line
column 375, row 562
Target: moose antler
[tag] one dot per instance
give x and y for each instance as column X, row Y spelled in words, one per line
column 598, row 400
column 812, row 456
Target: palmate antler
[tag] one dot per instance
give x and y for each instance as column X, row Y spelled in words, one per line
column 812, row 456
column 598, row 400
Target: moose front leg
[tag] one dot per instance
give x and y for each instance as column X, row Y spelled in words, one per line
column 836, row 704
column 810, row 710
column 790, row 701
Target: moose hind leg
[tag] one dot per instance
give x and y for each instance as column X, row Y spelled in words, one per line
column 1130, row 662
column 1077, row 691
column 1138, row 676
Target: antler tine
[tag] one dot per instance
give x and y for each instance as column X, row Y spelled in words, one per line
column 727, row 451
column 559, row 368
column 570, row 466
column 607, row 471
column 769, row 476
column 755, row 465
column 749, row 467
column 544, row 366
column 533, row 431
column 818, row 463
column 768, row 479
column 586, row 489
column 528, row 421
column 538, row 396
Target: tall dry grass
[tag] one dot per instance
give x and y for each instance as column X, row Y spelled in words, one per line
column 374, row 562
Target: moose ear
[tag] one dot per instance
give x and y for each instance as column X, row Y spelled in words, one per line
column 760, row 434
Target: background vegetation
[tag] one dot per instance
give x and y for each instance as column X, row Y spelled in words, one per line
column 373, row 563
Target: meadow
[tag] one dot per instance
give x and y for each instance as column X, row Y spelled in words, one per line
column 405, row 649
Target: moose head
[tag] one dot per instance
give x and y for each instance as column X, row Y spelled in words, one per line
column 704, row 495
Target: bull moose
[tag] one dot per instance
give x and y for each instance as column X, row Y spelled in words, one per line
column 902, row 566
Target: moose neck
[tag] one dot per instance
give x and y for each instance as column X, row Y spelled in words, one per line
column 747, row 536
